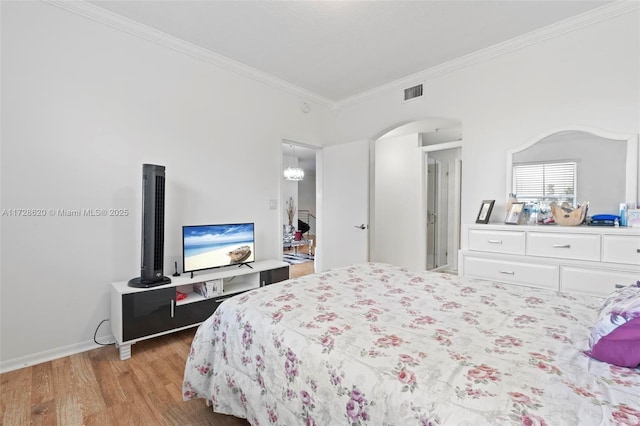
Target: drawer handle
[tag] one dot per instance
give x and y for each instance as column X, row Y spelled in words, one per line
column 620, row 286
column 562, row 246
column 500, row 242
column 173, row 308
column 508, row 272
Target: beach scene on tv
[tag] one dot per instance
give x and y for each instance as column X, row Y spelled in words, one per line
column 212, row 246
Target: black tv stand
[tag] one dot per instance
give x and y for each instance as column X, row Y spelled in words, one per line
column 139, row 314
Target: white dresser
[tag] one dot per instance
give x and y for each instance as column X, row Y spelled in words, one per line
column 582, row 259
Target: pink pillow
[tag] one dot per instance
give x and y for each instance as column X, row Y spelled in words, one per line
column 621, row 346
column 615, row 338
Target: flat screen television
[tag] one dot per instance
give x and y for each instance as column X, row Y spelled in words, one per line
column 214, row 246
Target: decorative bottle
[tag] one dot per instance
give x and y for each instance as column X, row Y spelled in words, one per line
column 535, row 209
column 623, row 214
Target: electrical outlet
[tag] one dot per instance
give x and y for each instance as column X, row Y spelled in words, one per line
column 273, row 204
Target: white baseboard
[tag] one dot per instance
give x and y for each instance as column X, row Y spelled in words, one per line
column 50, row 355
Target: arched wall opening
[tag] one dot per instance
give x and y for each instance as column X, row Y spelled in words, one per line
column 415, row 194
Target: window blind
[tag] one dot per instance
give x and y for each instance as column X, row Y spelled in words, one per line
column 545, row 182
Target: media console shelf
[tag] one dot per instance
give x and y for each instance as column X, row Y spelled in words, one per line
column 142, row 313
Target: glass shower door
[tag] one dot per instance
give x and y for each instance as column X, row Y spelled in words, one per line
column 437, row 217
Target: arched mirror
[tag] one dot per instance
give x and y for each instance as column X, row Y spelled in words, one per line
column 574, row 165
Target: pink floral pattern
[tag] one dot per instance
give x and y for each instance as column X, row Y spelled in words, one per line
column 377, row 344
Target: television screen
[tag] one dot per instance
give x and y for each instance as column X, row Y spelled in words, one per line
column 213, row 246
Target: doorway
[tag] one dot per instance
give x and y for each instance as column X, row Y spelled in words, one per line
column 399, row 199
column 443, row 191
column 437, row 197
column 298, row 195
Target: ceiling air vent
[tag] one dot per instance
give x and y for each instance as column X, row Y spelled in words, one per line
column 413, row 92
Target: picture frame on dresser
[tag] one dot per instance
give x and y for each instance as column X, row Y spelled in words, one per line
column 514, row 214
column 633, row 218
column 485, row 211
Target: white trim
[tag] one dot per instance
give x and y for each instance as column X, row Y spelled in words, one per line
column 116, row 21
column 318, row 257
column 632, row 187
column 83, row 8
column 441, row 146
column 51, row 354
column 591, row 17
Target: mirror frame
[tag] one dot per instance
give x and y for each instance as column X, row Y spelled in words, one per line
column 633, row 156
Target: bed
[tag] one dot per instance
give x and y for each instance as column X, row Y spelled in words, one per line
column 382, row 345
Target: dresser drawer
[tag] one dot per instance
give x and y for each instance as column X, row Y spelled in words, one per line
column 511, row 242
column 621, row 249
column 596, row 282
column 524, row 273
column 564, row 246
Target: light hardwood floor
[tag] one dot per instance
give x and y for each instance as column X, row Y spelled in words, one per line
column 302, row 269
column 96, row 388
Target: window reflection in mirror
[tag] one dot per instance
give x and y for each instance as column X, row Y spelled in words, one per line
column 546, row 182
column 600, row 167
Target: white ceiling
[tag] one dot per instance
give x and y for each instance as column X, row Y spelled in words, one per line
column 339, row 49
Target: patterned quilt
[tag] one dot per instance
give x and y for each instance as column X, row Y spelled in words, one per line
column 376, row 344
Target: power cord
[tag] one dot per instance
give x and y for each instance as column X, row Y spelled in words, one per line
column 96, row 333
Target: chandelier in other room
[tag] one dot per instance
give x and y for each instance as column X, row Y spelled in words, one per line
column 293, row 173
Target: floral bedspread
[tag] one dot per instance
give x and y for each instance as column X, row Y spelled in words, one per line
column 375, row 344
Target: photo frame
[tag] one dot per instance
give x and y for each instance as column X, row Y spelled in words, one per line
column 485, row 211
column 514, row 214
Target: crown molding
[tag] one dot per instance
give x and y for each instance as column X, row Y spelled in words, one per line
column 116, row 21
column 98, row 14
column 617, row 8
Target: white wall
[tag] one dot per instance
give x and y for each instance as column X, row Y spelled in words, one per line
column 307, row 193
column 587, row 76
column 83, row 106
column 398, row 234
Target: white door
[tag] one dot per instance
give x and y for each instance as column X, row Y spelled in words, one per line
column 343, row 226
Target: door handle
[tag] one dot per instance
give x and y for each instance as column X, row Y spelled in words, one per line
column 363, row 226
